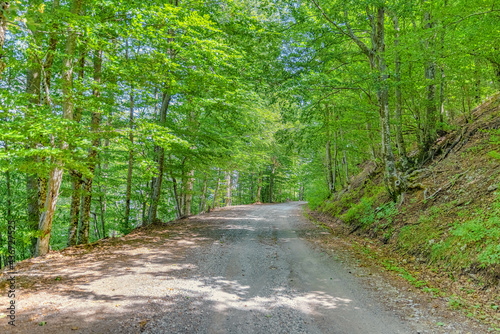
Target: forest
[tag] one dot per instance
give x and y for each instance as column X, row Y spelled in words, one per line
column 117, row 114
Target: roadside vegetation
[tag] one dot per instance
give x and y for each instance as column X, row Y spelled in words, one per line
column 443, row 237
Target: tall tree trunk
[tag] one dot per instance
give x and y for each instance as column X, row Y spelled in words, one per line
column 55, row 178
column 376, row 58
column 271, row 181
column 337, row 171
column 373, row 150
column 430, row 76
column 228, row 188
column 238, row 186
column 10, row 221
column 102, row 201
column 77, row 182
column 83, row 234
column 49, row 59
column 391, row 176
column 344, row 157
column 189, row 192
column 203, row 197
column 251, row 187
column 477, row 83
column 144, row 204
column 259, row 187
column 441, row 96
column 216, row 189
column 329, row 172
column 178, row 209
column 128, row 192
column 33, row 81
column 76, row 176
column 103, row 188
column 33, row 214
column 155, row 198
column 399, row 115
column 335, row 152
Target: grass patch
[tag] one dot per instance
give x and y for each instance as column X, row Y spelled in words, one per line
column 472, row 241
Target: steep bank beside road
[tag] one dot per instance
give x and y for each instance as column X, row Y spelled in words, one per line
column 444, row 236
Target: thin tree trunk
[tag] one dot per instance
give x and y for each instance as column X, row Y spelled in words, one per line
column 373, row 152
column 144, row 204
column 441, row 96
column 271, row 181
column 189, row 192
column 228, row 188
column 335, row 152
column 344, row 157
column 10, row 221
column 77, row 182
column 251, row 187
column 33, row 214
column 102, row 201
column 203, row 197
column 96, row 227
column 329, row 173
column 178, row 209
column 128, row 192
column 83, row 234
column 76, row 176
column 238, row 186
column 103, row 188
column 337, row 171
column 259, row 187
column 399, row 115
column 155, row 198
column 477, row 84
column 430, row 75
column 216, row 189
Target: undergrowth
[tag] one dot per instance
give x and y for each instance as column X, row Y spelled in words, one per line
column 471, row 241
column 362, row 212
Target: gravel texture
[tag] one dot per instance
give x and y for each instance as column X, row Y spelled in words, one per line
column 247, row 269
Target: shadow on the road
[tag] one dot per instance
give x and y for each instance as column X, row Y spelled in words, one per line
column 146, row 282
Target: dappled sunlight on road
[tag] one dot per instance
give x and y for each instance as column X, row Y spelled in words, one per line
column 214, row 274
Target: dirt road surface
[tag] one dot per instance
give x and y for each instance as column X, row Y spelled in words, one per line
column 247, row 269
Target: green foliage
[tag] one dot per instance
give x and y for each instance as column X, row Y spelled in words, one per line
column 419, row 238
column 455, row 302
column 476, row 237
column 495, row 140
column 317, row 194
column 363, row 211
column 389, row 265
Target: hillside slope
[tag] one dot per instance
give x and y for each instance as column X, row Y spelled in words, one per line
column 444, row 235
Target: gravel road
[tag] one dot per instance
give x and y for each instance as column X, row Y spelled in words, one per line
column 259, row 276
column 246, row 269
